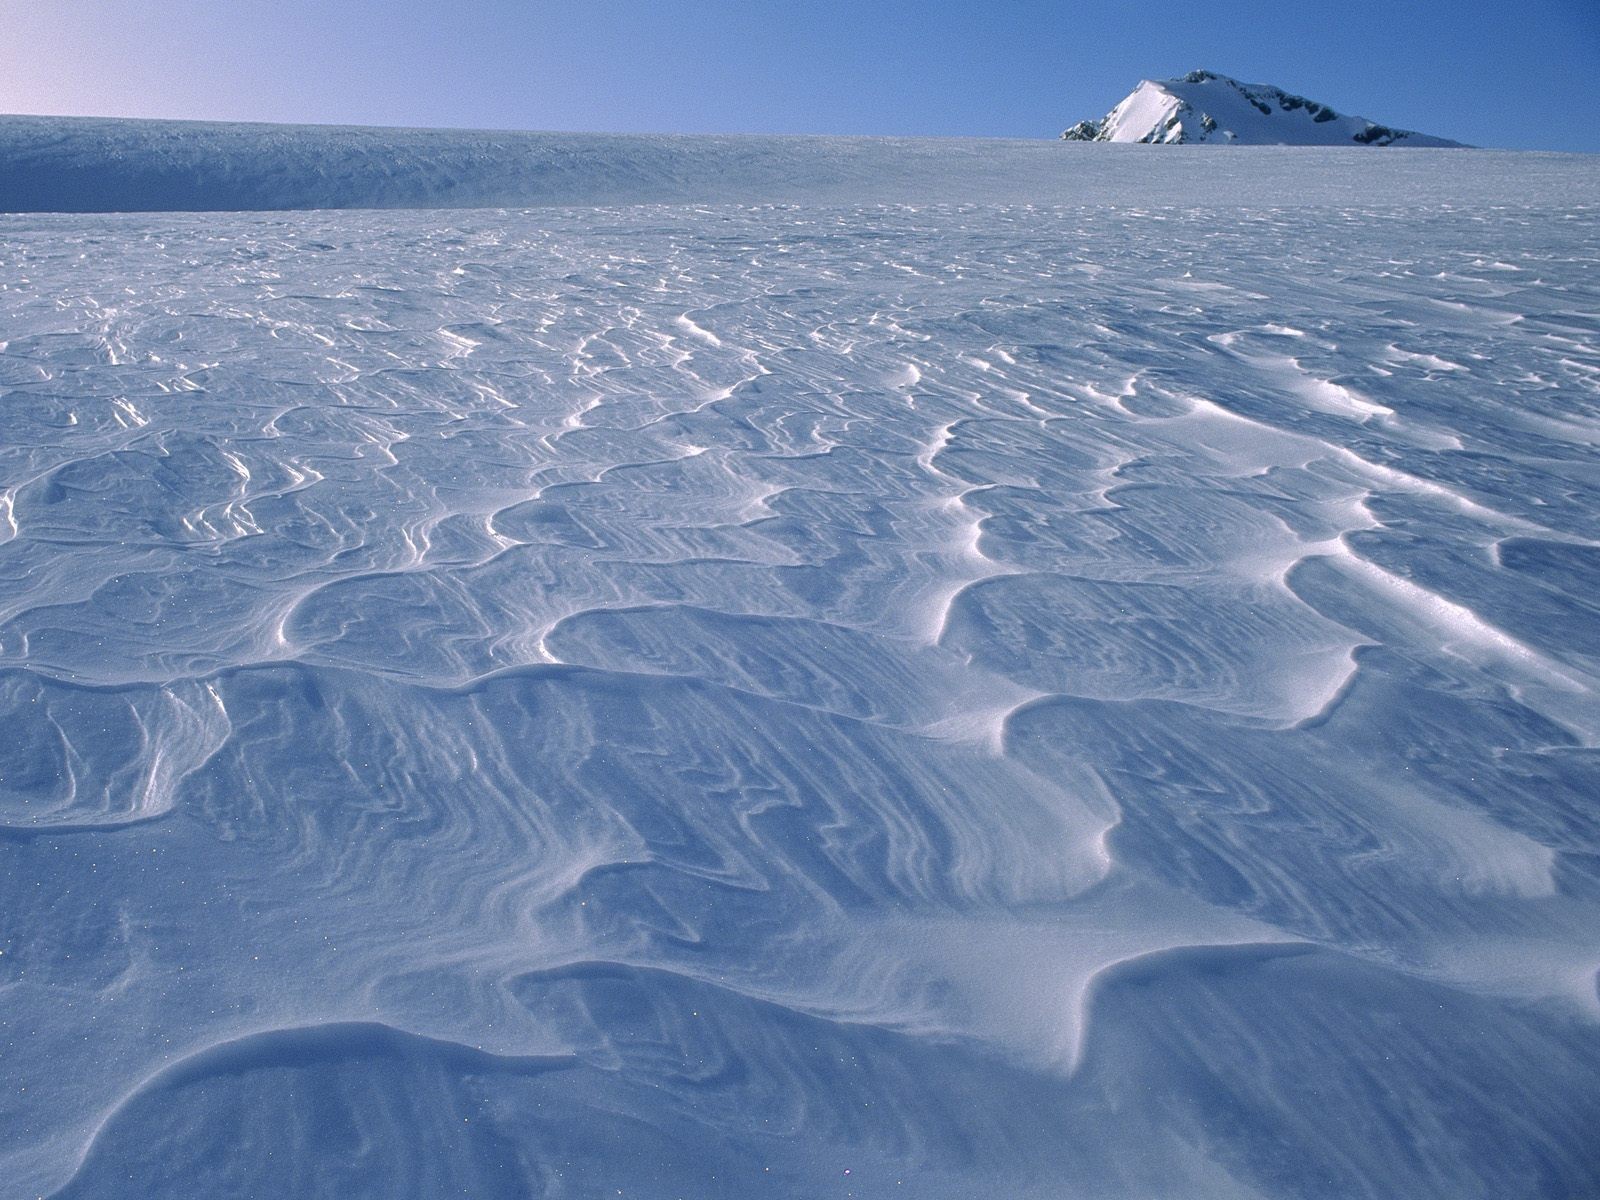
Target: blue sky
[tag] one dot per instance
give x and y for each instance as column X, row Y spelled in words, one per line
column 1521, row 75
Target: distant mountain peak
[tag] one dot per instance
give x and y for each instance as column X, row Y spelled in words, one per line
column 1204, row 106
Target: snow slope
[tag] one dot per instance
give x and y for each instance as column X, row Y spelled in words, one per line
column 1203, row 106
column 68, row 164
column 953, row 701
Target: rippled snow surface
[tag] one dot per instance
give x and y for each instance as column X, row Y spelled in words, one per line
column 801, row 702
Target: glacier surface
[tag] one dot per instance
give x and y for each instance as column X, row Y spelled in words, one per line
column 818, row 700
column 81, row 164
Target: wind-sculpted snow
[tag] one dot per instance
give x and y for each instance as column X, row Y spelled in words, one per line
column 962, row 702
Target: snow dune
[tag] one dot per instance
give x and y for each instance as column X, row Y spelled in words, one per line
column 829, row 699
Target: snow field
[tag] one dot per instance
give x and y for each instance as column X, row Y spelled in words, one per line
column 951, row 701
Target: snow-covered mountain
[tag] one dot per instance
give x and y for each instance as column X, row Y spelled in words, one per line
column 1206, row 107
